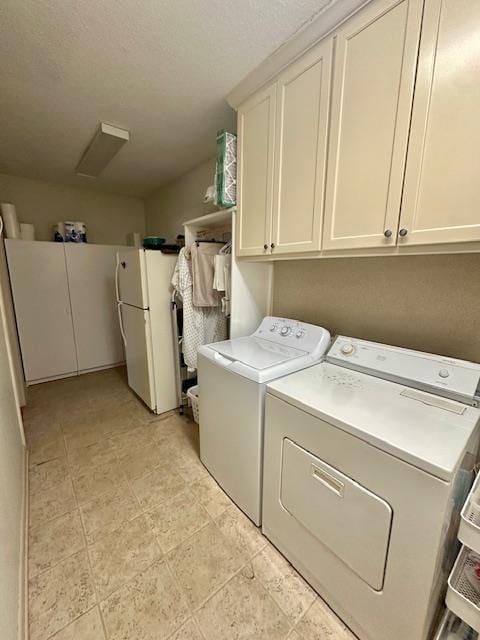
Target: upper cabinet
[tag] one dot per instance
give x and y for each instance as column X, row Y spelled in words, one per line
column 368, row 143
column 256, row 121
column 441, row 200
column 303, row 96
column 374, row 75
column 282, row 133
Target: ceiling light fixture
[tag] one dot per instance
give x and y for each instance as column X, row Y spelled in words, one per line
column 106, row 142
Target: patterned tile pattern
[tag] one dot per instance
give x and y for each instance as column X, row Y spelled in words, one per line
column 132, row 539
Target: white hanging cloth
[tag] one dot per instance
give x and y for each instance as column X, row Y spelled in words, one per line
column 201, row 325
column 221, row 271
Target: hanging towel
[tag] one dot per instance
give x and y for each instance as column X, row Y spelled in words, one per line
column 227, row 275
column 200, row 325
column 221, row 270
column 226, row 307
column 203, row 258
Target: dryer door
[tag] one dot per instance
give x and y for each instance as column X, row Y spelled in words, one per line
column 344, row 516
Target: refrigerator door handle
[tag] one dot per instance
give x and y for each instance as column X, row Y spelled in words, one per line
column 120, row 320
column 117, row 284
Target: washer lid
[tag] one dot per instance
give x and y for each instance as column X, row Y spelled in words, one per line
column 256, row 353
column 420, row 428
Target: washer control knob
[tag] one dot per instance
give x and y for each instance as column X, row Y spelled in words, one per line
column 443, row 373
column 285, row 331
column 347, row 349
column 299, row 334
column 273, row 327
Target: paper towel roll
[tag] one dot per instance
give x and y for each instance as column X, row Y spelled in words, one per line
column 27, row 231
column 10, row 220
column 209, row 194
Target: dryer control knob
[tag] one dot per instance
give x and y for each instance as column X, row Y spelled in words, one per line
column 299, row 334
column 273, row 327
column 285, row 331
column 347, row 349
column 443, row 373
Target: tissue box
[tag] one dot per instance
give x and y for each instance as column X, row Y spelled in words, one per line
column 226, row 172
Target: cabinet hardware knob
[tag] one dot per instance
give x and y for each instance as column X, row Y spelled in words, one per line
column 272, row 245
column 265, row 246
column 387, row 233
column 403, row 232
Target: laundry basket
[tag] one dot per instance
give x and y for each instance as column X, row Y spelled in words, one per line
column 192, row 393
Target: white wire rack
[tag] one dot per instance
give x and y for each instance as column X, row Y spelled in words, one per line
column 469, row 530
column 462, row 598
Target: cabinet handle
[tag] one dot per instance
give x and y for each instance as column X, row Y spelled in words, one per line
column 403, row 232
column 265, row 246
column 387, row 233
column 272, row 245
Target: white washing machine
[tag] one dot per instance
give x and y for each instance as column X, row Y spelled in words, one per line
column 368, row 458
column 232, row 376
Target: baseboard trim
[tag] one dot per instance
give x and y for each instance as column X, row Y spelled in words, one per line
column 103, row 367
column 73, row 374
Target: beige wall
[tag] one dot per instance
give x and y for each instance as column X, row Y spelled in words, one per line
column 11, row 327
column 429, row 303
column 180, row 200
column 108, row 217
column 12, row 490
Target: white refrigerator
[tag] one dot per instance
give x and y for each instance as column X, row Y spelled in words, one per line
column 144, row 308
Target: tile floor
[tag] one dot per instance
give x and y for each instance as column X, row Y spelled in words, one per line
column 131, row 539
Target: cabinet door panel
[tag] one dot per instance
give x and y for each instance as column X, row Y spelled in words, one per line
column 376, row 52
column 256, row 121
column 38, row 276
column 300, row 149
column 91, row 270
column 441, row 198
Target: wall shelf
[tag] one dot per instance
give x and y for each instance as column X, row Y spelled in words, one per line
column 215, row 219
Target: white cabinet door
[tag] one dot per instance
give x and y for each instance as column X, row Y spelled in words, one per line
column 441, row 200
column 42, row 307
column 303, row 96
column 91, row 271
column 256, row 122
column 374, row 73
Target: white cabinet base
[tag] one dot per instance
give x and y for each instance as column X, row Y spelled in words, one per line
column 38, row 276
column 64, row 298
column 75, row 373
column 91, row 282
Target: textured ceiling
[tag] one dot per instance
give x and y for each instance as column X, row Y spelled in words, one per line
column 159, row 68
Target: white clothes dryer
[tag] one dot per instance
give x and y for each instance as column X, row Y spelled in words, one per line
column 368, row 458
column 232, row 376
